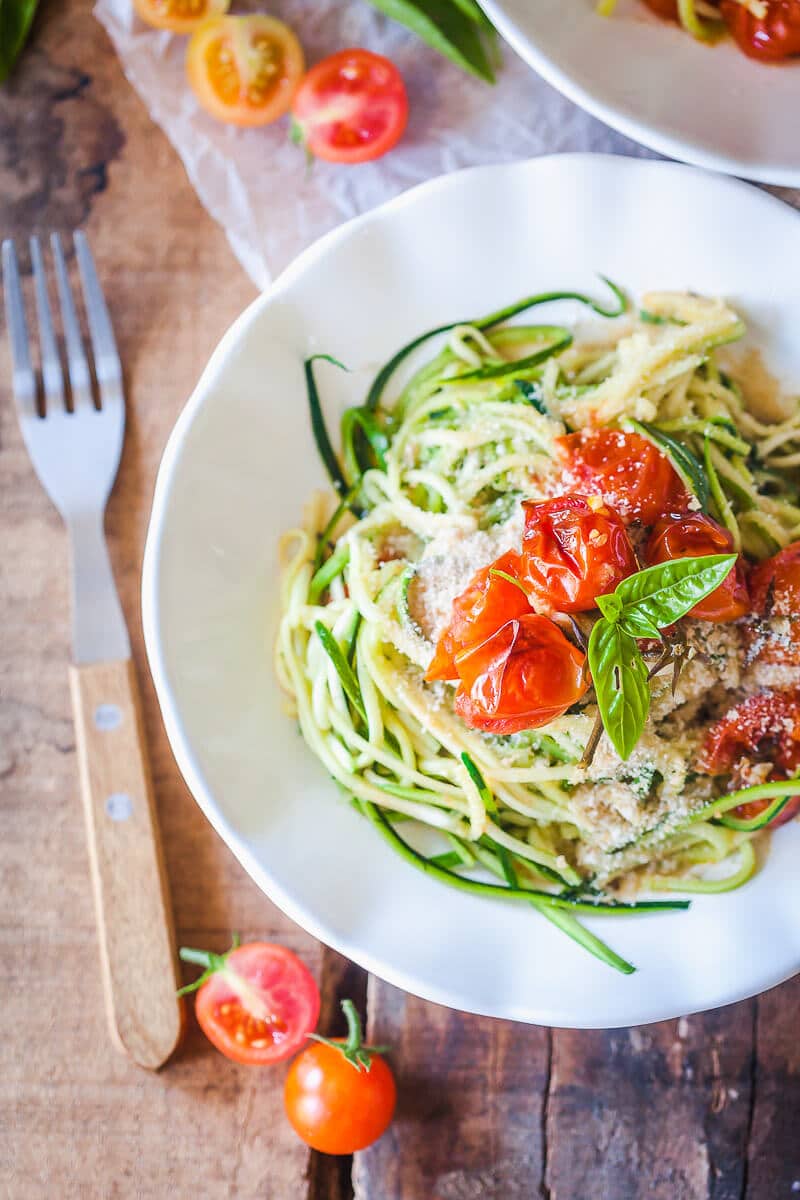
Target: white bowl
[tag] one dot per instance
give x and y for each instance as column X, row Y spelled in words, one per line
column 709, row 105
column 238, row 468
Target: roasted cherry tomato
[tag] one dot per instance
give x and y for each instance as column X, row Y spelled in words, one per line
column 340, row 1096
column 351, row 107
column 693, row 536
column 180, row 16
column 523, row 676
column 627, row 470
column 772, row 37
column 775, row 592
column 664, row 8
column 572, row 552
column 257, row 1003
column 486, row 603
column 763, row 728
column 245, row 70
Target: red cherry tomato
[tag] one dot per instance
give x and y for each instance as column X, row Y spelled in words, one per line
column 627, row 470
column 260, row 1004
column 691, row 537
column 486, row 603
column 763, row 728
column 334, row 1106
column 351, row 107
column 664, row 8
column 523, row 676
column 572, row 552
column 775, row 592
column 769, row 38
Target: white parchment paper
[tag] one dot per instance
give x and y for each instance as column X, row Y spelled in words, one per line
column 257, row 184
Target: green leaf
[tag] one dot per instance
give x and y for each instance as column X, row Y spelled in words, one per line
column 16, row 17
column 610, row 606
column 447, row 27
column 619, row 674
column 682, row 459
column 662, row 594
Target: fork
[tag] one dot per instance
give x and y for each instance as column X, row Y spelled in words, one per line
column 76, row 454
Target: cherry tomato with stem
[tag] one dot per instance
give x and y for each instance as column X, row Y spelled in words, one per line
column 257, row 1004
column 775, row 592
column 771, row 38
column 351, row 107
column 693, row 536
column 628, row 471
column 339, row 1094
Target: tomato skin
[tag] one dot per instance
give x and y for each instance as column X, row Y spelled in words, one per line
column 333, row 1106
column 173, row 14
column 244, row 70
column 352, row 107
column 522, row 677
column 668, row 9
column 775, row 592
column 273, row 980
column 572, row 553
column 695, row 535
column 487, row 602
column 631, row 475
column 771, row 38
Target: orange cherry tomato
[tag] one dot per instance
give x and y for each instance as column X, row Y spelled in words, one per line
column 486, row 603
column 180, row 16
column 770, row 38
column 334, row 1106
column 627, row 470
column 260, row 1003
column 351, row 107
column 573, row 552
column 522, row 677
column 775, row 592
column 245, row 70
column 763, row 728
column 691, row 537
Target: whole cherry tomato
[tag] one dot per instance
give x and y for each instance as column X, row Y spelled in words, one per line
column 573, row 552
column 627, row 470
column 487, row 602
column 523, row 676
column 763, row 728
column 692, row 536
column 770, row 38
column 775, row 592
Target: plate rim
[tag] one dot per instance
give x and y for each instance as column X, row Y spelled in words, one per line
column 178, row 737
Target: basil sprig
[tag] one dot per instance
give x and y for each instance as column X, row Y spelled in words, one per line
column 458, row 29
column 16, row 17
column 642, row 605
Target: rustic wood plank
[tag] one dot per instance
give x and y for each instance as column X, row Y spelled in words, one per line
column 773, row 1167
column 469, row 1124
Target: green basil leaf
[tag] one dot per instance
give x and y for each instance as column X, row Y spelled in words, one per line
column 682, row 459
column 638, row 625
column 667, row 591
column 16, row 17
column 610, row 606
column 445, row 26
column 619, row 674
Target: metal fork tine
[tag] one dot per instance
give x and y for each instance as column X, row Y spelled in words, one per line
column 24, row 376
column 80, row 381
column 107, row 366
column 52, row 374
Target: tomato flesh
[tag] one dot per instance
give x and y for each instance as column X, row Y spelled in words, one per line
column 351, row 107
column 770, row 38
column 693, row 536
column 261, row 1006
column 633, row 477
column 486, row 603
column 179, row 16
column 573, row 552
column 334, row 1107
column 245, row 70
column 522, row 677
column 775, row 592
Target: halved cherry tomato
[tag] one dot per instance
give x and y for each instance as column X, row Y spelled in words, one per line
column 775, row 592
column 627, row 470
column 769, row 38
column 180, row 16
column 487, row 602
column 245, row 70
column 693, row 536
column 573, row 552
column 664, row 8
column 259, row 1003
column 763, row 728
column 523, row 676
column 351, row 107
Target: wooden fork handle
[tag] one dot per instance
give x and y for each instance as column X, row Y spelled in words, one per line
column 137, row 944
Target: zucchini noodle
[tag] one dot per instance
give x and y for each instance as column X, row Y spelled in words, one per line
column 433, row 476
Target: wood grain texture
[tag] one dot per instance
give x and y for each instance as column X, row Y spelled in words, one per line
column 773, row 1160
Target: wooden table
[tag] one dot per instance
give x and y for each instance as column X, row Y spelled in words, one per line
column 706, row 1107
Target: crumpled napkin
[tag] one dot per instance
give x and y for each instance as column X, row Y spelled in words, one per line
column 258, row 185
